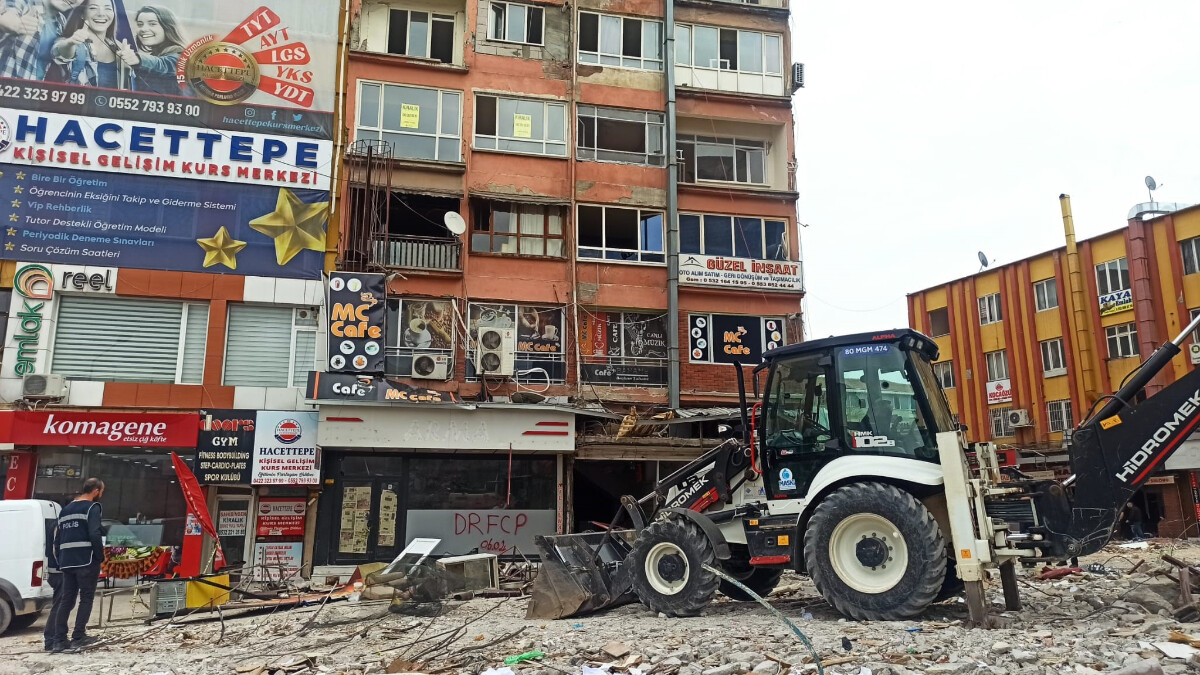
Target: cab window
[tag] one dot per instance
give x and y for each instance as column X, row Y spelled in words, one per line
column 797, row 415
column 879, row 402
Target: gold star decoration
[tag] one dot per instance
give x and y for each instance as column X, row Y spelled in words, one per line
column 20, row 175
column 221, row 249
column 12, row 217
column 294, row 225
column 9, row 246
column 12, row 231
column 16, row 203
column 18, row 189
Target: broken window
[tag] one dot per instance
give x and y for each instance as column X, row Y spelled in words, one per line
column 518, row 229
column 614, row 135
column 422, row 35
column 730, row 160
column 512, row 22
column 744, row 51
column 418, row 123
column 520, row 125
column 614, row 233
column 619, row 41
column 737, row 236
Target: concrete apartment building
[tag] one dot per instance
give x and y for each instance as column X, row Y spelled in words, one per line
column 547, row 134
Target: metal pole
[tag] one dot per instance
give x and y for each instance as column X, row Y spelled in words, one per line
column 1084, row 340
column 672, row 211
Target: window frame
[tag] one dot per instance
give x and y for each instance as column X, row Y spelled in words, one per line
column 746, row 144
column 380, row 130
column 398, row 350
column 943, row 371
column 991, row 310
column 733, row 229
column 592, row 154
column 1042, row 297
column 586, row 56
column 1192, row 247
column 997, row 356
column 932, row 329
column 1065, row 417
column 517, row 235
column 296, row 328
column 1005, row 428
column 1122, row 332
column 644, row 256
column 548, row 105
column 1118, row 267
column 690, row 47
column 433, row 16
column 491, row 29
column 1052, row 350
column 531, row 356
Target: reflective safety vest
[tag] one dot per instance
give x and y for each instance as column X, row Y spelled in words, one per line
column 74, row 538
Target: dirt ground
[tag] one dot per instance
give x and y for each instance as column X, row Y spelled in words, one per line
column 1090, row 622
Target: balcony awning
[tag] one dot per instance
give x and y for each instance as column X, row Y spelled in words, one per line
column 521, row 199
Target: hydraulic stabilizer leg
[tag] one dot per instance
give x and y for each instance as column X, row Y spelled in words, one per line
column 976, row 602
column 1008, row 579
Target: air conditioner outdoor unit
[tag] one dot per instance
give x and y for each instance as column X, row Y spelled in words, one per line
column 797, row 76
column 1019, row 418
column 44, row 387
column 495, row 352
column 431, row 367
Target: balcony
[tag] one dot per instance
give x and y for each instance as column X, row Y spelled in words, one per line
column 422, row 253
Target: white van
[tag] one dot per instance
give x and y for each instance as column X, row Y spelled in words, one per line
column 24, row 587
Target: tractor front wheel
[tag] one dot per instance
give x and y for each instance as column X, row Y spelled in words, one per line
column 668, row 572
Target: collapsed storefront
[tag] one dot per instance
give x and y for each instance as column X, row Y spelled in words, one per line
column 403, row 462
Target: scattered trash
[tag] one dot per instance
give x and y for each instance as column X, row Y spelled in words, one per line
column 527, row 656
column 1049, row 573
column 1097, row 568
column 1136, row 544
column 498, row 671
column 402, row 666
column 615, row 650
column 846, row 643
column 577, row 626
column 1175, row 650
column 916, row 629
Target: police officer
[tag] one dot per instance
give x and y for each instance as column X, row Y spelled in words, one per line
column 55, row 576
column 79, row 548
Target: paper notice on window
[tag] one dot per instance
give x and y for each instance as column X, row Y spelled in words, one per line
column 388, row 503
column 410, row 116
column 356, row 505
column 522, row 125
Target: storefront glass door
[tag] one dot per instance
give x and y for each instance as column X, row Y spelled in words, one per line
column 233, row 518
column 367, row 522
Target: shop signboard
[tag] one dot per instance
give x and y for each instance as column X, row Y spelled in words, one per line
column 285, row 449
column 724, row 338
column 232, row 522
column 225, row 447
column 275, row 561
column 999, row 391
column 18, row 479
column 219, row 164
column 281, row 517
column 768, row 275
column 498, row 531
column 350, row 387
column 623, row 348
column 65, row 427
column 1117, row 302
column 357, row 315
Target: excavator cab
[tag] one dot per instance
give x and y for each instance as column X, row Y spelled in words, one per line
column 873, row 394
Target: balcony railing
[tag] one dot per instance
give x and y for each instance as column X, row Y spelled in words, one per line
column 425, row 253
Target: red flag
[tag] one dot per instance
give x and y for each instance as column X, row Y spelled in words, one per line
column 193, row 494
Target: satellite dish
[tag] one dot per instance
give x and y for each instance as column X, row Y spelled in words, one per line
column 454, row 222
column 1150, row 184
column 983, row 259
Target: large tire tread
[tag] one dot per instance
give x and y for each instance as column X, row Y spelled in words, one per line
column 926, row 573
column 702, row 584
column 6, row 615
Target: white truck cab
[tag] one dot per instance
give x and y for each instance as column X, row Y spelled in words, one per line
column 25, row 525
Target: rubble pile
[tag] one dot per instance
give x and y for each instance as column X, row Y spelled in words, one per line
column 1120, row 612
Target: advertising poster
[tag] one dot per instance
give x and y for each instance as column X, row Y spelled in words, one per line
column 767, row 275
column 275, row 561
column 357, row 313
column 232, row 523
column 281, row 517
column 999, row 391
column 181, row 135
column 347, row 387
column 424, row 324
column 624, row 348
column 356, row 506
column 1115, row 303
column 539, row 329
column 285, row 449
column 225, row 447
column 724, row 338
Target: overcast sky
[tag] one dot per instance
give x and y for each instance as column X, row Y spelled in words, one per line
column 930, row 130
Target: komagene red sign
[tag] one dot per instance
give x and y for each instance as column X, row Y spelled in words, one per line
column 150, row 430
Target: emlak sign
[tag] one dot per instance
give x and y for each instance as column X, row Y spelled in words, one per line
column 60, row 427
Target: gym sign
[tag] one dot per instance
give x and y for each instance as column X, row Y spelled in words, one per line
column 34, row 286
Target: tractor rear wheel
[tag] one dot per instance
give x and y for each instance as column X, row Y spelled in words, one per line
column 875, row 553
column 668, row 572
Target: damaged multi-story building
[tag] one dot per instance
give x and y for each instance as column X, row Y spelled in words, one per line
column 608, row 189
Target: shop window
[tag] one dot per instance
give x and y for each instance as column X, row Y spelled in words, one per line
column 997, row 365
column 1191, row 255
column 944, row 372
column 480, row 483
column 620, row 234
column 1112, row 276
column 418, row 123
column 939, row 322
column 1060, row 415
column 623, row 348
column 1053, row 362
column 517, row 229
column 422, row 35
column 615, row 135
column 1045, row 294
column 1001, row 426
column 129, row 340
column 419, row 326
column 1122, row 341
column 623, row 42
column 990, row 310
column 540, row 350
column 728, row 49
column 728, row 160
column 269, row 346
column 737, row 236
column 522, row 125
column 512, row 22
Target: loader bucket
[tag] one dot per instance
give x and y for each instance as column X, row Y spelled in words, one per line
column 580, row 574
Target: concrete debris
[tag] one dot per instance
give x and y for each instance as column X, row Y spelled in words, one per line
column 1146, row 667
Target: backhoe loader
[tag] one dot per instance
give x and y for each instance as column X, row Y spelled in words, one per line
column 852, row 470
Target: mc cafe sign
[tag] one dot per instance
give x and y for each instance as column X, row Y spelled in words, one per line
column 95, row 429
column 36, row 289
column 768, row 275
